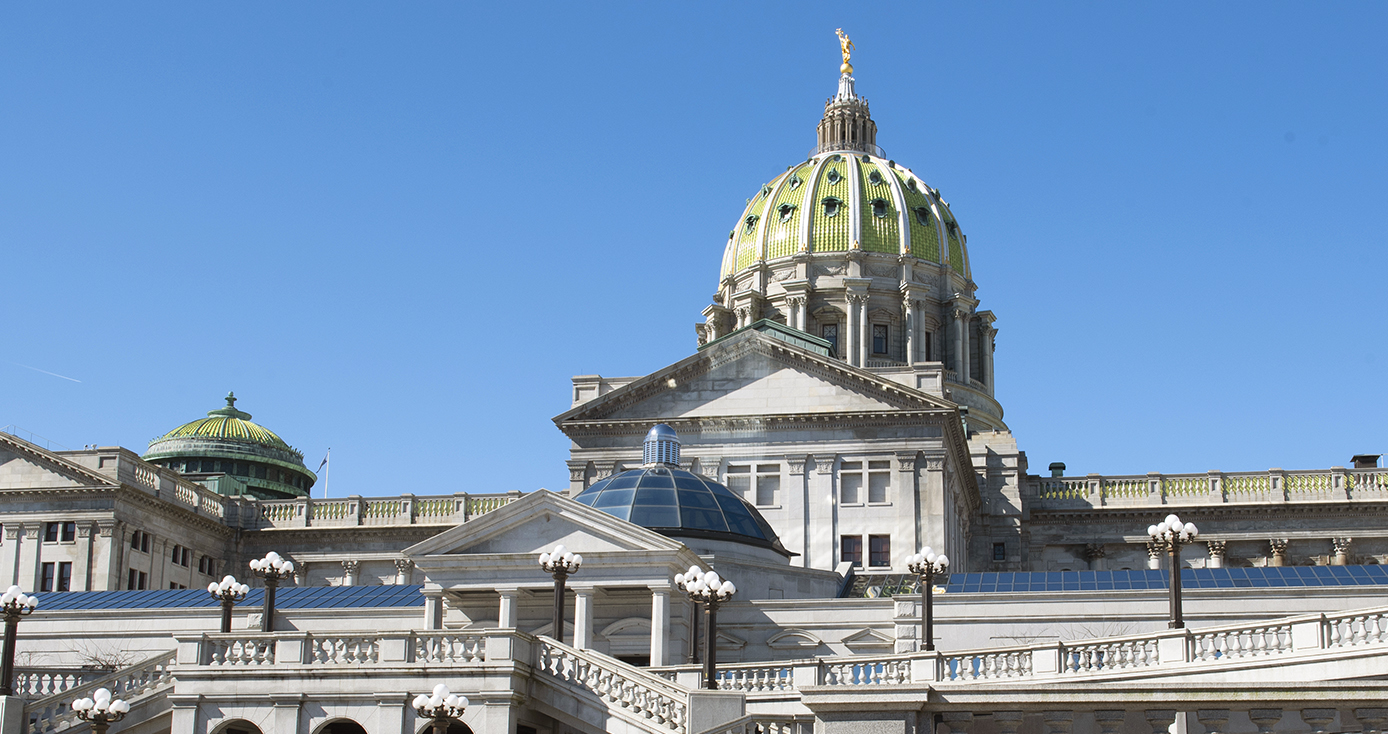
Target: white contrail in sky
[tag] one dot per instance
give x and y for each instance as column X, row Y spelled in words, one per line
column 46, row 372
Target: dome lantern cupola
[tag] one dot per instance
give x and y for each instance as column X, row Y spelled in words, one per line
column 662, row 446
column 846, row 124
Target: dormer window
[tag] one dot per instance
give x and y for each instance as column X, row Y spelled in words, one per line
column 879, row 208
column 795, row 182
column 952, row 227
column 765, row 192
column 875, row 178
column 832, row 206
column 749, row 224
column 786, row 211
column 923, row 216
column 834, row 176
column 911, row 184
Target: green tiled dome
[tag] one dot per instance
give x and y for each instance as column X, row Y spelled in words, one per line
column 227, row 450
column 839, row 200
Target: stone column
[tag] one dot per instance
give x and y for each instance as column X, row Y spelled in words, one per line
column 287, row 708
column 82, row 564
column 793, row 499
column 404, row 569
column 433, row 610
column 29, row 567
column 506, row 611
column 965, row 347
column 158, row 561
column 930, row 504
column 864, row 332
column 1341, row 557
column 1216, row 550
column 850, row 338
column 1154, row 554
column 1094, row 555
column 989, row 334
column 390, row 713
column 9, row 555
column 905, row 495
column 959, row 357
column 1278, row 546
column 583, row 618
column 578, row 471
column 908, row 328
column 111, row 551
column 349, row 572
column 821, row 535
column 660, row 624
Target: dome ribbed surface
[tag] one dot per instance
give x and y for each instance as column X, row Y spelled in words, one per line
column 673, row 501
column 229, row 427
column 839, row 198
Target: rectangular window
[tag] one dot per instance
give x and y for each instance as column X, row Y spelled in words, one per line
column 851, row 483
column 851, row 550
column 999, row 551
column 879, row 338
column 69, row 532
column 46, row 582
column 740, row 480
column 175, row 554
column 830, row 333
column 50, row 533
column 135, row 540
column 879, row 479
column 928, row 356
column 130, row 582
column 144, row 542
column 768, row 484
column 186, row 559
column 137, row 580
column 65, row 576
column 879, row 550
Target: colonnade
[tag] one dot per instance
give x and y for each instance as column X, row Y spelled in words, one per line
column 1159, row 721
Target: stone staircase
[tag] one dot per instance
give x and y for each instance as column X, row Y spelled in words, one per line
column 142, row 685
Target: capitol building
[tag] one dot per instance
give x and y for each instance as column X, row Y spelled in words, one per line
column 835, row 415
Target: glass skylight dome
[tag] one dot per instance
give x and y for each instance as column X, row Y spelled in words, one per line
column 675, row 502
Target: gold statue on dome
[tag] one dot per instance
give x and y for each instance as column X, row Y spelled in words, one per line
column 846, row 48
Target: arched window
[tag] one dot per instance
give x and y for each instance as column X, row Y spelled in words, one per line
column 341, row 726
column 237, row 726
column 832, row 205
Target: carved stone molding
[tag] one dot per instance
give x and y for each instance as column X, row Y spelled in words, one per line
column 403, row 565
column 906, row 462
column 351, row 566
column 824, row 464
column 797, row 464
column 1215, row 548
column 1094, row 551
column 577, row 469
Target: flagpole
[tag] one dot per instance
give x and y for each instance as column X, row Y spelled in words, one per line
column 327, row 468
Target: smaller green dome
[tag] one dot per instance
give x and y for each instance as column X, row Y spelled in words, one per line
column 229, row 423
column 228, row 452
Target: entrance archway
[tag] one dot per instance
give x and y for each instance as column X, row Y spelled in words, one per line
column 238, row 726
column 456, row 727
column 342, row 726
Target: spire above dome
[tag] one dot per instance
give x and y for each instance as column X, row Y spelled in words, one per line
column 847, row 124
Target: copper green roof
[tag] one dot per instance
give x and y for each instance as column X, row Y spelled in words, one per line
column 837, row 198
column 229, row 423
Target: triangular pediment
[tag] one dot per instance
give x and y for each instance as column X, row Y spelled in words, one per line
column 753, row 374
column 26, row 466
column 536, row 523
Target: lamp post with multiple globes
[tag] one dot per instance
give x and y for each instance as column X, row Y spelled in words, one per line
column 100, row 710
column 560, row 563
column 14, row 605
column 272, row 569
column 711, row 591
column 927, row 566
column 228, row 591
column 441, row 708
column 1171, row 534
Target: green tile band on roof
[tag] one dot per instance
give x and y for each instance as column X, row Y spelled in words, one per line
column 925, row 238
column 879, row 234
column 831, row 234
column 782, row 238
column 747, row 237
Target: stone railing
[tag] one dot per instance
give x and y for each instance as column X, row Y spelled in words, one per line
column 388, row 511
column 169, row 485
column 55, row 712
column 35, row 683
column 255, row 650
column 1335, row 484
column 1165, row 651
column 638, row 692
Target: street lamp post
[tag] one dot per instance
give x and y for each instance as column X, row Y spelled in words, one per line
column 14, row 605
column 711, row 591
column 560, row 563
column 272, row 569
column 100, row 710
column 1171, row 533
column 228, row 591
column 927, row 566
column 441, row 708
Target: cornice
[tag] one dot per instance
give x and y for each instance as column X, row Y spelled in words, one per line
column 780, row 422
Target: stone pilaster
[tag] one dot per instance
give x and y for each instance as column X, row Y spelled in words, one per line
column 1216, row 553
column 1278, row 547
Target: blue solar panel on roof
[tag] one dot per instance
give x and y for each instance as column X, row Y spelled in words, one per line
column 316, row 597
column 1149, row 579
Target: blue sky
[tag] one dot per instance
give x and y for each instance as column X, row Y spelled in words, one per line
column 398, row 229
